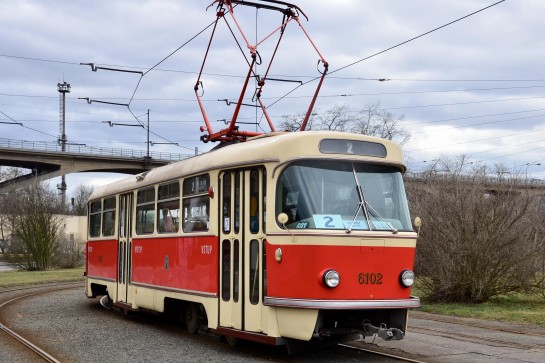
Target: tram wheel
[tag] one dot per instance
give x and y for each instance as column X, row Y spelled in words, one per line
column 192, row 318
column 232, row 341
column 106, row 302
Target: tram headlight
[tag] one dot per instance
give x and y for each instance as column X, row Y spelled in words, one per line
column 331, row 278
column 407, row 278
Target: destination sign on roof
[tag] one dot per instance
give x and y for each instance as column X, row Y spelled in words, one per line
column 366, row 148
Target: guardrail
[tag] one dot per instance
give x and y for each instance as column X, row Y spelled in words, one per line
column 89, row 150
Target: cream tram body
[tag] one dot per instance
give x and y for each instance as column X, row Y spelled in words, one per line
column 286, row 236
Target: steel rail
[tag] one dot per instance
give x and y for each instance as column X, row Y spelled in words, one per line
column 404, row 359
column 62, row 285
column 27, row 343
column 477, row 338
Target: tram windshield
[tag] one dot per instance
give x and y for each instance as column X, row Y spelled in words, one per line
column 343, row 195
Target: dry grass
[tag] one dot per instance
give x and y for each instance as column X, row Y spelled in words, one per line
column 517, row 308
column 9, row 279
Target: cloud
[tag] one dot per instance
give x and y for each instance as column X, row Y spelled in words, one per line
column 488, row 64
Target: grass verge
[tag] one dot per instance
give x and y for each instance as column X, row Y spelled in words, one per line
column 10, row 279
column 513, row 308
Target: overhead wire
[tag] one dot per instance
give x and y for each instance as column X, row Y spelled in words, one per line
column 472, row 117
column 484, row 123
column 156, row 134
column 387, row 49
column 381, row 79
column 478, row 140
column 339, row 69
column 128, row 105
column 416, row 37
column 15, row 122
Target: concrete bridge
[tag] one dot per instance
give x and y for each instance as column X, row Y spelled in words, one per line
column 47, row 160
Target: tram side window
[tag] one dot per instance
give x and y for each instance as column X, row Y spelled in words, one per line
column 145, row 211
column 95, row 209
column 108, row 217
column 254, row 201
column 226, row 203
column 196, row 204
column 254, row 272
column 237, row 202
column 236, row 276
column 264, row 215
column 226, row 270
column 168, row 205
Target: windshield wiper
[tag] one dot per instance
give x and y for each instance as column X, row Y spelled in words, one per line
column 373, row 210
column 364, row 205
column 361, row 205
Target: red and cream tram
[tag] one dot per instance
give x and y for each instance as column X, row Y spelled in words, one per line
column 288, row 236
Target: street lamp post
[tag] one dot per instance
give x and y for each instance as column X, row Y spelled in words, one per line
column 63, row 89
column 535, row 163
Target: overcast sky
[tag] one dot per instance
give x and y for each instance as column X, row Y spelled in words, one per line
column 472, row 88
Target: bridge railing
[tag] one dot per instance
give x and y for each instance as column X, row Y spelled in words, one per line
column 89, row 150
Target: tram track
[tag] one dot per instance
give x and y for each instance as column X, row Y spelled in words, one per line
column 474, row 331
column 527, row 330
column 474, row 338
column 28, row 292
column 477, row 336
column 382, row 354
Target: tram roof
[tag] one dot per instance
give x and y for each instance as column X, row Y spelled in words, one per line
column 275, row 147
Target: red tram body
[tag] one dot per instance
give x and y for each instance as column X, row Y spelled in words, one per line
column 286, row 237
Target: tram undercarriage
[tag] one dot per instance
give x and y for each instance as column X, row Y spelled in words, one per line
column 389, row 324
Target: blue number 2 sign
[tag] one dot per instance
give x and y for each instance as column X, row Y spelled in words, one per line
column 329, row 221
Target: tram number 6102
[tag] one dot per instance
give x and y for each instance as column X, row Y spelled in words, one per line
column 370, row 278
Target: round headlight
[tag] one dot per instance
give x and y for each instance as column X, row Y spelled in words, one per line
column 407, row 278
column 331, row 278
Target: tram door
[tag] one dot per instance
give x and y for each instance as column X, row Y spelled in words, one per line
column 124, row 247
column 241, row 244
column 231, row 238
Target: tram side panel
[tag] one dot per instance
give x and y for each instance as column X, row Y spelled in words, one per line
column 186, row 265
column 101, row 262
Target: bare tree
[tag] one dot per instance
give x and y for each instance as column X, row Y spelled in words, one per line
column 293, row 123
column 480, row 237
column 7, row 173
column 3, row 236
column 69, row 253
column 339, row 118
column 370, row 120
column 79, row 199
column 35, row 225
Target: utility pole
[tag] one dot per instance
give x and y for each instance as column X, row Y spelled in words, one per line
column 148, row 159
column 63, row 89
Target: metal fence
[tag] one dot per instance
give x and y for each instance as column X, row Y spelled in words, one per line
column 89, row 150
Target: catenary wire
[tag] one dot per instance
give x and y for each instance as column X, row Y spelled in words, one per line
column 386, row 50
column 15, row 122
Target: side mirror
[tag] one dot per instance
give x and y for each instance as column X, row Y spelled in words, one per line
column 417, row 223
column 282, row 219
